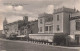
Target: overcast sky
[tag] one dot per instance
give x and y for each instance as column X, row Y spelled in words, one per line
column 32, row 9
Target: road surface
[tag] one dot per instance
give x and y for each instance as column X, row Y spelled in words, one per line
column 9, row 45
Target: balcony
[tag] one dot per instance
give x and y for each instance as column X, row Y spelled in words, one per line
column 49, row 23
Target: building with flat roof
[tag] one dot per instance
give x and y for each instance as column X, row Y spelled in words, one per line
column 45, row 23
column 75, row 26
column 75, row 23
column 56, row 23
column 61, row 22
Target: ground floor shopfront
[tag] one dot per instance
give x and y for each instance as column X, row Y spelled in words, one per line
column 70, row 40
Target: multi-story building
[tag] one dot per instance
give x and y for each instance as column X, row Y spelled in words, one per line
column 45, row 23
column 61, row 20
column 75, row 25
column 56, row 23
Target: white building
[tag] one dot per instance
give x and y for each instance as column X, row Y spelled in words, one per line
column 61, row 20
column 45, row 23
column 56, row 23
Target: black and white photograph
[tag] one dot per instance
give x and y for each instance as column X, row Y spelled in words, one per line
column 39, row 25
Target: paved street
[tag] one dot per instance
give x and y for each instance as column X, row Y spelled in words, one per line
column 9, row 45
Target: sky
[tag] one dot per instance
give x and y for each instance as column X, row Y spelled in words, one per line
column 31, row 8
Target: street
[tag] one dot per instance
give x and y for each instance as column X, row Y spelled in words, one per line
column 9, row 45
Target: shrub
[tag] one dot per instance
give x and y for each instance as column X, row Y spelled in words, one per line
column 60, row 39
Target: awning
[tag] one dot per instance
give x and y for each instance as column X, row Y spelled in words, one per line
column 72, row 38
column 21, row 36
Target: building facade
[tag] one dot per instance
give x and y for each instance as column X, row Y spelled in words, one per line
column 75, row 23
column 45, row 23
column 61, row 21
column 75, row 26
column 56, row 23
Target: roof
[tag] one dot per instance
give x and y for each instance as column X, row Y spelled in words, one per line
column 75, row 14
column 45, row 15
column 64, row 9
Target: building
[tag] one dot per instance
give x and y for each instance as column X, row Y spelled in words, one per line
column 14, row 27
column 75, row 26
column 61, row 21
column 20, row 27
column 45, row 23
column 64, row 21
column 33, row 27
column 30, row 28
column 56, row 23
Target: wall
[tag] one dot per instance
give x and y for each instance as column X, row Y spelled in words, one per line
column 60, row 23
column 73, row 30
column 66, row 23
column 75, row 14
column 49, row 24
column 34, row 27
column 76, row 17
column 48, row 37
column 72, row 27
column 41, row 25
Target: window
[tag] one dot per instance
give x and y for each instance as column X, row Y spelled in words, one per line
column 49, row 19
column 58, row 28
column 46, row 28
column 31, row 31
column 78, row 26
column 15, row 30
column 69, row 16
column 41, row 21
column 50, row 28
column 57, row 17
column 40, row 29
